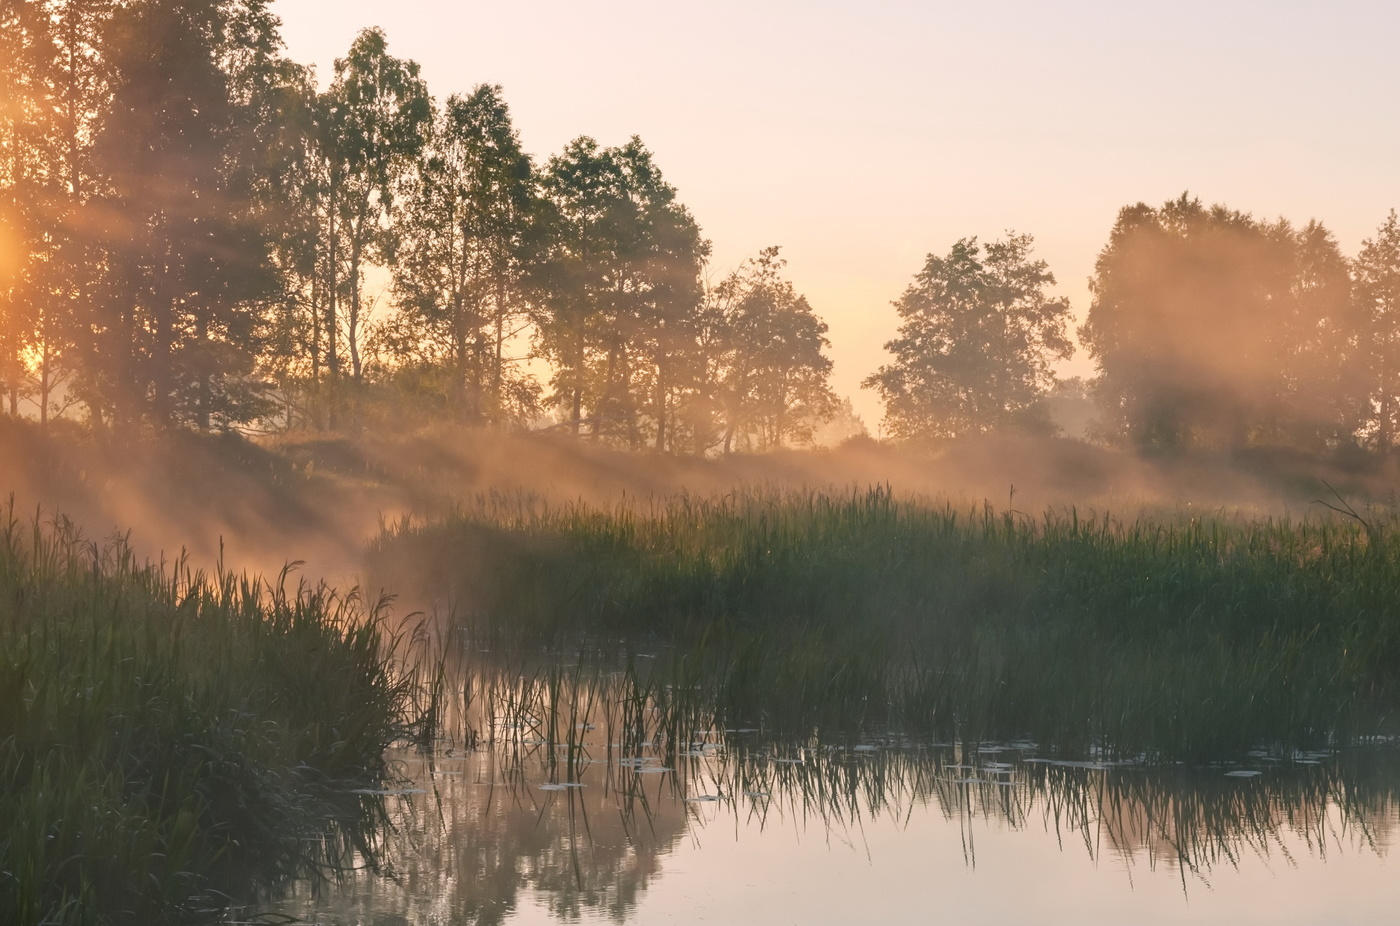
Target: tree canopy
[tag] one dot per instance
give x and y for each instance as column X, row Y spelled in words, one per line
column 976, row 344
column 195, row 232
column 1211, row 328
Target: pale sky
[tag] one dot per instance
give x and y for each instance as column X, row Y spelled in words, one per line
column 862, row 136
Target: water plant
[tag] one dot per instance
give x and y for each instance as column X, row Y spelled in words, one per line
column 1175, row 633
column 170, row 740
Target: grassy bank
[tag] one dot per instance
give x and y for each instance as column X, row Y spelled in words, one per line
column 1177, row 635
column 171, row 741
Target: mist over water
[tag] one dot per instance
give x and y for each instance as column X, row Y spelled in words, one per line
column 516, row 559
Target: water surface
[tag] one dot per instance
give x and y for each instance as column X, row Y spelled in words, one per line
column 734, row 829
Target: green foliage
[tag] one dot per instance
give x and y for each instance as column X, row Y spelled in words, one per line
column 1213, row 329
column 461, row 247
column 768, row 345
column 171, row 740
column 1376, row 355
column 977, row 337
column 1175, row 635
column 616, row 285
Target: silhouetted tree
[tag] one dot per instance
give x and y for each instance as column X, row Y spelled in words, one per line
column 463, row 244
column 53, row 86
column 29, row 163
column 976, row 344
column 186, row 260
column 1207, row 325
column 617, row 288
column 373, row 121
column 1376, row 272
column 1319, row 388
column 772, row 378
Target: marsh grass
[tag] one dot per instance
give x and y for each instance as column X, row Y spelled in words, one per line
column 1174, row 634
column 172, row 741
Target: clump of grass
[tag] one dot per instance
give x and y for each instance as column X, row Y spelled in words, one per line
column 1172, row 634
column 170, row 740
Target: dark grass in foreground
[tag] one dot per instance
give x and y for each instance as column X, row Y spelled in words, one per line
column 1176, row 636
column 170, row 741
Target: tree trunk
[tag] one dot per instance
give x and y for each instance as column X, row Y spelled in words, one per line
column 661, row 407
column 315, row 396
column 578, row 384
column 352, row 330
column 1384, row 436
column 204, row 379
column 45, row 386
column 497, row 373
column 332, row 323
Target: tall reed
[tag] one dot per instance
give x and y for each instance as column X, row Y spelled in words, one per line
column 1172, row 632
column 170, row 740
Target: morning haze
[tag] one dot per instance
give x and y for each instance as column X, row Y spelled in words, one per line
column 860, row 137
column 622, row 463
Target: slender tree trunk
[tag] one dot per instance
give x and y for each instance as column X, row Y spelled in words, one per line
column 498, row 358
column 604, row 406
column 204, row 379
column 71, row 102
column 332, row 307
column 661, row 407
column 459, row 354
column 45, row 385
column 1384, row 436
column 162, row 333
column 352, row 330
column 315, row 391
column 578, row 383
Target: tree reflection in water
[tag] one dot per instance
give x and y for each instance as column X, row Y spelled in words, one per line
column 583, row 784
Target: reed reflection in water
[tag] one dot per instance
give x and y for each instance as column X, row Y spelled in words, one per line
column 582, row 789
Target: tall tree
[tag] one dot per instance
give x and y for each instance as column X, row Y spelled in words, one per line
column 65, row 354
column 615, row 285
column 374, row 118
column 1320, row 390
column 462, row 245
column 773, row 376
column 976, row 344
column 1376, row 272
column 1206, row 323
column 28, row 165
column 186, row 259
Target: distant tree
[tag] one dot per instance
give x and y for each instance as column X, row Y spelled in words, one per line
column 1318, row 388
column 28, row 167
column 463, row 243
column 372, row 124
column 844, row 424
column 617, row 289
column 291, row 206
column 773, row 373
column 53, row 85
column 187, row 261
column 1213, row 329
column 1376, row 274
column 975, row 348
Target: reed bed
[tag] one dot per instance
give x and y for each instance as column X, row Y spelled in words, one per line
column 171, row 741
column 1174, row 634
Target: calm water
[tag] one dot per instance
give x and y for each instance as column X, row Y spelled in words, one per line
column 732, row 829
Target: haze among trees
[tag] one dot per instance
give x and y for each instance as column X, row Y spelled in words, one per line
column 197, row 232
column 193, row 234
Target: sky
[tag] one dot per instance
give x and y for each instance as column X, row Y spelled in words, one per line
column 862, row 136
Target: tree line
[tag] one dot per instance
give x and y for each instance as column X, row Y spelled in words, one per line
column 1209, row 328
column 197, row 232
